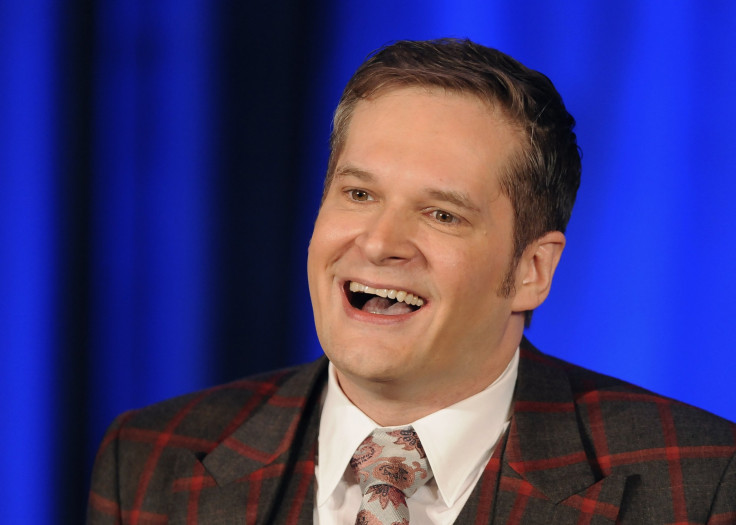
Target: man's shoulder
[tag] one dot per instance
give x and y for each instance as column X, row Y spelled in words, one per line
column 215, row 412
column 236, row 428
column 632, row 409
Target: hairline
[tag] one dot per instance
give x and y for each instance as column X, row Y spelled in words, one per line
column 345, row 109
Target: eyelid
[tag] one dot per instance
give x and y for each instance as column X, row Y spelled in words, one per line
column 349, row 193
column 456, row 219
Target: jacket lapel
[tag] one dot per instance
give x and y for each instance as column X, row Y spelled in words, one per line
column 264, row 471
column 543, row 469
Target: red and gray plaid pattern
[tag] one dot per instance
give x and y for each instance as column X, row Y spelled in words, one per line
column 389, row 466
column 582, row 448
column 231, row 454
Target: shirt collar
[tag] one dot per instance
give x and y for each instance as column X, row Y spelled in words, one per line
column 342, row 428
column 472, row 425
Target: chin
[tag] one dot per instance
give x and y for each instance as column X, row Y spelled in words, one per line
column 378, row 364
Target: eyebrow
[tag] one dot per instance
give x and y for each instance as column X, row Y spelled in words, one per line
column 352, row 171
column 457, row 198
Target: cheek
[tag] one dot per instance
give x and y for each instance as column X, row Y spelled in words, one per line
column 327, row 247
column 319, row 245
column 313, row 281
column 329, row 228
column 333, row 237
column 317, row 257
column 472, row 279
column 313, row 252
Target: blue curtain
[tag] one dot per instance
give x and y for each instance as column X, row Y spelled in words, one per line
column 152, row 194
column 29, row 266
column 160, row 169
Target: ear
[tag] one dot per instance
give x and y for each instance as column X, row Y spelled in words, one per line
column 535, row 270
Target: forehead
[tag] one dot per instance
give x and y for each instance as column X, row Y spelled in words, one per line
column 445, row 135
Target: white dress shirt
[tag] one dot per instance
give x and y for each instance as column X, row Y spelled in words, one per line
column 458, row 440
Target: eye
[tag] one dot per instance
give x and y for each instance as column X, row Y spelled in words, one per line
column 444, row 217
column 359, row 195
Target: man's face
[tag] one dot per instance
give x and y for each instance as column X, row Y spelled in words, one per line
column 415, row 208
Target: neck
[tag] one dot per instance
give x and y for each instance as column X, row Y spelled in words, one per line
column 390, row 406
column 397, row 402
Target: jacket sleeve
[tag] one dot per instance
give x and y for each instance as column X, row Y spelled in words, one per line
column 723, row 510
column 103, row 506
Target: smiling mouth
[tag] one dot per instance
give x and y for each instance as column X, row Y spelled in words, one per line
column 381, row 301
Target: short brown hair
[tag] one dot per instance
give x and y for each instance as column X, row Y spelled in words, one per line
column 542, row 180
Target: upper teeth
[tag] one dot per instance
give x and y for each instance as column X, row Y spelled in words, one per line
column 399, row 295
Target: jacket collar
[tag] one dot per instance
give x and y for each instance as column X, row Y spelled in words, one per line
column 544, row 406
column 289, row 413
column 266, row 461
column 546, row 447
column 543, row 447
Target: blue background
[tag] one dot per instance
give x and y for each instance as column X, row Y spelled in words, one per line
column 160, row 170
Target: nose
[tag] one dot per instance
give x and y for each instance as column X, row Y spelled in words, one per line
column 387, row 238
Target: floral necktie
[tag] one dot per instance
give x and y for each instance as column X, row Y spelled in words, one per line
column 390, row 465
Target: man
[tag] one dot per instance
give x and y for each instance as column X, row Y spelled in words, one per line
column 452, row 177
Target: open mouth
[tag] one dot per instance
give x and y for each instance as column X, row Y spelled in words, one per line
column 382, row 301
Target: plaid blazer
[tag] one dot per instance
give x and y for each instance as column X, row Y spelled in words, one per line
column 581, row 448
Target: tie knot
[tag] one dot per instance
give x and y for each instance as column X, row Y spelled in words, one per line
column 390, row 465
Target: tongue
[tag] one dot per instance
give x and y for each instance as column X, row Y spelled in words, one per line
column 384, row 306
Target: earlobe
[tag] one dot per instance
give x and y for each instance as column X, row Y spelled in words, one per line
column 536, row 269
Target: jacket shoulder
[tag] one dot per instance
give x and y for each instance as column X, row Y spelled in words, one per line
column 678, row 461
column 144, row 451
column 626, row 409
column 213, row 413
